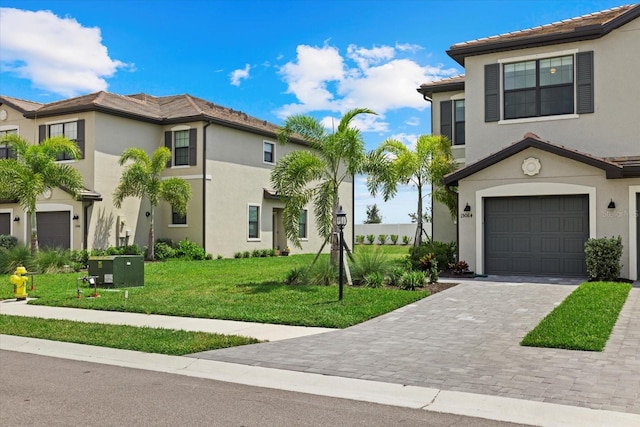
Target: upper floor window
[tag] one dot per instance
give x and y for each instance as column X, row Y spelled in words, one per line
column 452, row 121
column 254, row 222
column 71, row 130
column 303, row 224
column 533, row 87
column 458, row 115
column 268, row 152
column 176, row 218
column 5, row 152
column 539, row 88
column 183, row 146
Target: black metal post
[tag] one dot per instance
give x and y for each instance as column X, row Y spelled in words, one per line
column 341, row 278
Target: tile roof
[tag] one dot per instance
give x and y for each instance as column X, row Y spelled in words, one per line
column 619, row 167
column 593, row 25
column 160, row 110
column 443, row 85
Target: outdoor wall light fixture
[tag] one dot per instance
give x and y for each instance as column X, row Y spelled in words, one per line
column 612, row 204
column 147, row 214
column 16, row 219
column 76, row 217
column 467, row 208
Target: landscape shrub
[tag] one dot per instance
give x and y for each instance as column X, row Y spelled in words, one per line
column 8, row 242
column 444, row 253
column 246, row 254
column 190, row 250
column 255, row 253
column 371, row 239
column 382, row 238
column 323, row 273
column 296, row 276
column 373, row 280
column 411, row 280
column 359, row 239
column 167, row 241
column 130, row 250
column 603, row 258
column 395, row 276
column 80, row 257
column 52, row 260
column 237, row 255
column 163, row 251
column 406, row 240
column 394, row 238
column 459, row 268
column 10, row 259
column 368, row 262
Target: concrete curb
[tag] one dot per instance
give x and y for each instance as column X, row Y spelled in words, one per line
column 475, row 405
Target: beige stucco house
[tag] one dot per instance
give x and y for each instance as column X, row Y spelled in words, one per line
column 546, row 126
column 225, row 155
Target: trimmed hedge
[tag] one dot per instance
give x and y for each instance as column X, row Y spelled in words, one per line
column 603, row 258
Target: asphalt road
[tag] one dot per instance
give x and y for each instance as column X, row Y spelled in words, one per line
column 37, row 390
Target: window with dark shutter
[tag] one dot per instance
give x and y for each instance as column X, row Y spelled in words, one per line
column 168, row 138
column 193, row 146
column 584, row 82
column 446, row 120
column 491, row 93
column 74, row 131
column 458, row 119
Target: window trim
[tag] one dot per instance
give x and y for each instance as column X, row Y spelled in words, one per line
column 535, row 57
column 180, row 224
column 174, row 147
column 273, row 152
column 306, row 225
column 6, row 130
column 259, row 236
column 44, row 132
column 455, row 123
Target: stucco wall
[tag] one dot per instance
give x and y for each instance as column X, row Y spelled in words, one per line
column 558, row 175
column 612, row 130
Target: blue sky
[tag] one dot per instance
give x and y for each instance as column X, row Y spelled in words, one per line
column 268, row 58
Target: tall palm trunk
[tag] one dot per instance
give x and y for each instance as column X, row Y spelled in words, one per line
column 34, row 233
column 335, row 237
column 150, row 248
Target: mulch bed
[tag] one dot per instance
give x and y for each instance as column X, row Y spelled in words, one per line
column 439, row 287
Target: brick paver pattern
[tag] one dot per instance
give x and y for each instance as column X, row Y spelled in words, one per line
column 467, row 339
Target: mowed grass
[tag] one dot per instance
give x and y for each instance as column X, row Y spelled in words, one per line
column 148, row 340
column 249, row 289
column 584, row 320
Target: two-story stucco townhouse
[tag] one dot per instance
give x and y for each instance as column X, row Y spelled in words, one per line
column 546, row 125
column 226, row 156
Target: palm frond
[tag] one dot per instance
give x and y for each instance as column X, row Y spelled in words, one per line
column 176, row 192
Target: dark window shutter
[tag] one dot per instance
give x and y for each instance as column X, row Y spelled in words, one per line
column 446, row 119
column 491, row 92
column 193, row 145
column 80, row 137
column 42, row 133
column 584, row 82
column 168, row 136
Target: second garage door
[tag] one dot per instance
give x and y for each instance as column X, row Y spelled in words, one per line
column 537, row 236
column 53, row 230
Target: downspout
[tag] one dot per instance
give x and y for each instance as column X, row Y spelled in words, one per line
column 204, row 185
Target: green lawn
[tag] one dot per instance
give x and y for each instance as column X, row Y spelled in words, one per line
column 584, row 320
column 249, row 289
column 148, row 340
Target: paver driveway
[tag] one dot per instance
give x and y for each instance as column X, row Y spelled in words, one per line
column 467, row 339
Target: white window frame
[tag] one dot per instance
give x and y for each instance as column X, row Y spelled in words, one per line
column 172, row 225
column 535, row 57
column 273, row 152
column 259, row 206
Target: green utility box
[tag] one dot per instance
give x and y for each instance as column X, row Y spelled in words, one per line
column 117, row 271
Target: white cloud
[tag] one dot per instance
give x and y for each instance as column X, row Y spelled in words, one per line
column 56, row 54
column 412, row 121
column 239, row 74
column 322, row 79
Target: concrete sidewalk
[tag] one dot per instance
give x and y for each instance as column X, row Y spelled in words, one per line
column 260, row 331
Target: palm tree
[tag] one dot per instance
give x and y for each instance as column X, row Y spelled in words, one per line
column 35, row 170
column 394, row 163
column 314, row 176
column 142, row 178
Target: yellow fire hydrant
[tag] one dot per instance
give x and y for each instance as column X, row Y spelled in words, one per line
column 20, row 284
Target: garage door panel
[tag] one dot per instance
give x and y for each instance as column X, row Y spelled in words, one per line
column 54, row 229
column 551, row 224
column 545, row 235
column 5, row 223
column 550, row 244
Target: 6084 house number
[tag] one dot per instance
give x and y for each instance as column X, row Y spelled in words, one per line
column 466, row 215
